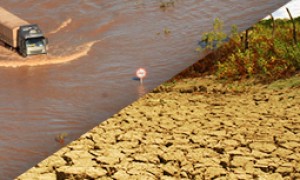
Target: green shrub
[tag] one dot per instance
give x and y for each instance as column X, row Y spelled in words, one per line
column 267, row 57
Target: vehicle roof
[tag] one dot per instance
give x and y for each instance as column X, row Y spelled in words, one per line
column 10, row 20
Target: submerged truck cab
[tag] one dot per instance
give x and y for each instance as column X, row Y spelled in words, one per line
column 20, row 35
column 31, row 40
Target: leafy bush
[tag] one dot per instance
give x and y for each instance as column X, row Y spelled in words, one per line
column 267, row 57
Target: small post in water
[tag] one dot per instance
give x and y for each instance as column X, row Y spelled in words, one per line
column 141, row 74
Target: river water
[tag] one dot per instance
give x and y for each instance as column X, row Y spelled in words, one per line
column 95, row 47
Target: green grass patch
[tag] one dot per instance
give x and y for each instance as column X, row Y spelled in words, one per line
column 293, row 82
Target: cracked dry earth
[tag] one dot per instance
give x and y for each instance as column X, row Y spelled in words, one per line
column 195, row 129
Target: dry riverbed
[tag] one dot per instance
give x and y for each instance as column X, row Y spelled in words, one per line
column 192, row 129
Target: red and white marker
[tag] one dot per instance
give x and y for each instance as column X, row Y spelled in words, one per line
column 141, row 73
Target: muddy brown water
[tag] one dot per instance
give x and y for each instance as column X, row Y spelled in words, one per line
column 95, row 48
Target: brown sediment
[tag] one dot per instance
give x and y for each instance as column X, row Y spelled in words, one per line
column 192, row 129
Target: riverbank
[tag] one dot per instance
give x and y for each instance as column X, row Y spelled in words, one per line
column 195, row 128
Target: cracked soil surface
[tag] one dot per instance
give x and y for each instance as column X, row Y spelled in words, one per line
column 193, row 129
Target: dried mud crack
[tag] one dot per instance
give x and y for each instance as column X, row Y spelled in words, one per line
column 194, row 129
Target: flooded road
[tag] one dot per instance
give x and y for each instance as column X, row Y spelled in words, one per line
column 95, row 47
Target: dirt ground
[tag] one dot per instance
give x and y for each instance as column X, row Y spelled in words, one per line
column 192, row 129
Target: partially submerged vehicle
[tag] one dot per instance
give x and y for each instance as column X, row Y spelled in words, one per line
column 20, row 35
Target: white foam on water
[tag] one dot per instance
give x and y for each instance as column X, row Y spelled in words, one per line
column 62, row 26
column 40, row 60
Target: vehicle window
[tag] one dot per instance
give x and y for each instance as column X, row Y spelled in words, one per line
column 34, row 42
